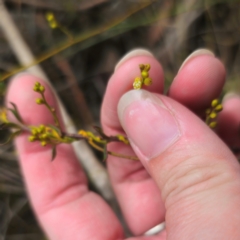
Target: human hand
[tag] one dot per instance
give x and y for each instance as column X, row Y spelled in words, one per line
column 195, row 172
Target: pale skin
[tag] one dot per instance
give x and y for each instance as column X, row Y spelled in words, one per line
column 193, row 184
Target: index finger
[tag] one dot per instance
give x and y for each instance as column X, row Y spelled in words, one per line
column 137, row 193
column 58, row 190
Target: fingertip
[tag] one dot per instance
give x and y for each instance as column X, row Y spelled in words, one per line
column 198, row 82
column 229, row 120
column 22, row 83
column 122, row 81
column 20, row 91
column 198, row 52
column 131, row 54
column 21, row 87
column 129, row 179
column 129, row 70
column 151, row 135
column 231, row 95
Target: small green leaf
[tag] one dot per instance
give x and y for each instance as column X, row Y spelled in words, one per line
column 54, row 152
column 12, row 136
column 15, row 112
column 56, row 129
column 105, row 152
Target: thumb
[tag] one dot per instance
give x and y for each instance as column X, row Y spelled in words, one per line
column 197, row 174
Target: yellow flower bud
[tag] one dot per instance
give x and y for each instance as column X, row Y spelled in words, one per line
column 41, row 129
column 35, row 89
column 219, row 108
column 53, row 24
column 212, row 124
column 51, row 20
column 83, row 133
column 34, row 131
column 137, row 84
column 3, row 116
column 49, row 16
column 147, row 81
column 43, row 143
column 213, row 115
column 214, row 103
column 122, row 139
column 43, row 136
column 39, row 101
column 141, row 66
column 31, row 138
column 144, row 74
column 147, row 67
column 41, row 89
column 36, row 86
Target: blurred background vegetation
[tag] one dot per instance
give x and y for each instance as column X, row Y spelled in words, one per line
column 102, row 31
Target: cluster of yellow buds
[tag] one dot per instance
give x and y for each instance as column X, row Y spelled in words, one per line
column 212, row 113
column 144, row 79
column 47, row 135
column 38, row 88
column 51, row 20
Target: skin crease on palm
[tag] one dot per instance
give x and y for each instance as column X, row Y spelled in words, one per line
column 192, row 181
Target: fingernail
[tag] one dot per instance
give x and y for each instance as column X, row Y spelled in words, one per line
column 150, row 126
column 230, row 95
column 197, row 53
column 24, row 73
column 133, row 53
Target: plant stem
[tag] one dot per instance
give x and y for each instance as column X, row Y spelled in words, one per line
column 52, row 110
